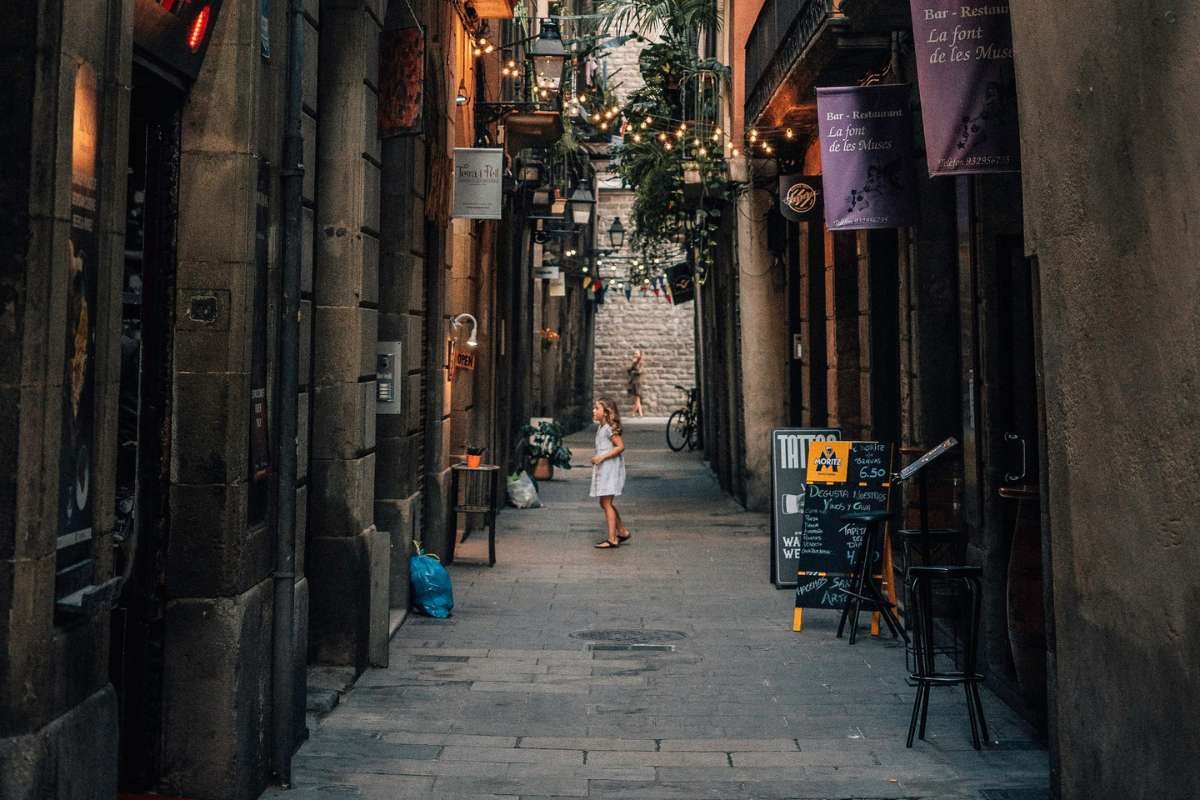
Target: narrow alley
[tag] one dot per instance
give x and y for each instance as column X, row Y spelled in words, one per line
column 541, row 684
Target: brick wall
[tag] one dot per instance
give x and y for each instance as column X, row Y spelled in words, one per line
column 664, row 335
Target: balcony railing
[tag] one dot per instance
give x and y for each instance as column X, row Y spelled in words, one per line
column 783, row 30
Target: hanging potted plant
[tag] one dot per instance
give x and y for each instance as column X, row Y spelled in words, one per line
column 546, row 449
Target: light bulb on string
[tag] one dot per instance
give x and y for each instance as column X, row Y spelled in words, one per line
column 753, row 135
column 790, row 134
column 637, row 137
column 583, row 98
column 702, row 152
column 666, row 145
column 662, row 137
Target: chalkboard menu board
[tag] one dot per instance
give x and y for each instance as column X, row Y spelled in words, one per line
column 789, row 463
column 842, row 477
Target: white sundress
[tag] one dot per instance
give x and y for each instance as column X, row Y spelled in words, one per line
column 608, row 477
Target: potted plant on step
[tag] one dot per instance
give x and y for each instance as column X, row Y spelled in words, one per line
column 546, row 449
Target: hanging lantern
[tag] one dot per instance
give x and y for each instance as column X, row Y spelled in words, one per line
column 549, row 57
column 582, row 201
column 616, row 234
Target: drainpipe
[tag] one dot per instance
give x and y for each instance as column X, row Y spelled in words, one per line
column 292, row 186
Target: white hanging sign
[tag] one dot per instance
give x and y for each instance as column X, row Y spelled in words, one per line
column 478, row 181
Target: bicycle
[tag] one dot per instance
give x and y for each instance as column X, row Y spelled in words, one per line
column 683, row 426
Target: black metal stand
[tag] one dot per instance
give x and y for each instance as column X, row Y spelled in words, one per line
column 865, row 591
column 475, row 490
column 964, row 584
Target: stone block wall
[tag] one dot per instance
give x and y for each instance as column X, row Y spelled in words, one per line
column 664, row 334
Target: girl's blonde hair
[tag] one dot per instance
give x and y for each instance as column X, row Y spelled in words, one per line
column 612, row 417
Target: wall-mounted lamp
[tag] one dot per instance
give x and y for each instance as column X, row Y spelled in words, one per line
column 616, row 234
column 582, row 201
column 461, row 98
column 457, row 323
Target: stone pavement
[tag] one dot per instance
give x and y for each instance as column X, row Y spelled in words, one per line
column 532, row 690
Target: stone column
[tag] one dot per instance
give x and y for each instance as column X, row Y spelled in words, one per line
column 764, row 339
column 348, row 558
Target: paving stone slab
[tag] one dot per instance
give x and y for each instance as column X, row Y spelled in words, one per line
column 506, row 700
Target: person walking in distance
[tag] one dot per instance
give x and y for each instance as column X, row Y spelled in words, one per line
column 635, row 383
column 608, row 470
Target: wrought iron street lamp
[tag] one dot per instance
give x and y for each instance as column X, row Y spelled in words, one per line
column 616, row 234
column 549, row 57
column 582, row 201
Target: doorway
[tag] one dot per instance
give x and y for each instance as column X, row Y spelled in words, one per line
column 1001, row 439
column 144, row 424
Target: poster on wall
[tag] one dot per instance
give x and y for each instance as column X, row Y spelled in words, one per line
column 800, row 197
column 401, row 81
column 866, row 153
column 77, row 448
column 968, row 86
column 478, row 178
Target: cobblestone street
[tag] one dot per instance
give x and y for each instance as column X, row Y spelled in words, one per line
column 532, row 689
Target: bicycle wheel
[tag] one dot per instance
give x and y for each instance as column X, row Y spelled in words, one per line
column 677, row 430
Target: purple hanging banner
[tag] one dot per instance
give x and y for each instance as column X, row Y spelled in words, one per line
column 968, row 88
column 866, row 150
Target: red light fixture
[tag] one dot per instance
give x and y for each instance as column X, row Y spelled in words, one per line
column 199, row 29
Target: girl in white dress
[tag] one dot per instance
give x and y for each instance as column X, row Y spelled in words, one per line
column 608, row 469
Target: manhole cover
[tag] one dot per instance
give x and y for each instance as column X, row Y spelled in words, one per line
column 630, row 636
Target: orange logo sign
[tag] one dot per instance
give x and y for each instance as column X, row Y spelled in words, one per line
column 828, row 462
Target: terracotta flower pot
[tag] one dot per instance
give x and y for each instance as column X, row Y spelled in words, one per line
column 473, row 462
column 543, row 470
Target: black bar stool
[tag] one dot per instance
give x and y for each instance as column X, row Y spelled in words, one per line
column 960, row 587
column 865, row 592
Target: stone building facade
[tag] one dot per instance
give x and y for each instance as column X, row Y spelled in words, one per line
column 994, row 319
column 141, row 360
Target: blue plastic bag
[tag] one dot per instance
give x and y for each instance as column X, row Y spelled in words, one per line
column 432, row 594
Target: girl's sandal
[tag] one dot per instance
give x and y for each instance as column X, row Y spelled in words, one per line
column 606, row 545
column 624, row 538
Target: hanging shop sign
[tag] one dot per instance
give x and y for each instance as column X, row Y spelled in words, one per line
column 174, row 34
column 401, row 81
column 464, row 359
column 76, row 501
column 800, row 197
column 546, row 273
column 866, row 147
column 681, row 283
column 789, row 463
column 478, row 182
column 557, row 286
column 968, row 86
